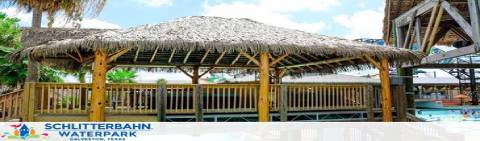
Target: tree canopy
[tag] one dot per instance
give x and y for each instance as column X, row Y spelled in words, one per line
column 73, row 9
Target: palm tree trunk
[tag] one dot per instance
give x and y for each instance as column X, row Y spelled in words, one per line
column 37, row 18
column 33, row 66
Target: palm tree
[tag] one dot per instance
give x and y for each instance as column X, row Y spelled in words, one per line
column 73, row 9
column 121, row 76
column 13, row 74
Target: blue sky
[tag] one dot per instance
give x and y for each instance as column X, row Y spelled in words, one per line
column 343, row 18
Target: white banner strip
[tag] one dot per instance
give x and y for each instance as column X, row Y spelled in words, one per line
column 284, row 131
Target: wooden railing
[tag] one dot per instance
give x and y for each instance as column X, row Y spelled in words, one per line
column 10, row 105
column 326, row 97
column 53, row 98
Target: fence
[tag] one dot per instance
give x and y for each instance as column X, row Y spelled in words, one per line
column 10, row 105
column 64, row 99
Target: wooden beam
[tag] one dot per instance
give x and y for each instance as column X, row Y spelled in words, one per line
column 97, row 107
column 474, row 12
column 154, row 54
column 385, row 90
column 117, row 54
column 418, row 33
column 220, row 57
column 429, row 29
column 308, row 60
column 79, row 54
column 298, row 61
column 448, row 66
column 275, row 61
column 322, row 62
column 373, row 62
column 251, row 58
column 453, row 12
column 73, row 57
column 136, row 55
column 184, row 71
column 264, row 92
column 406, row 44
column 236, row 59
column 434, row 30
column 205, row 72
column 188, row 55
column 449, row 54
column 420, row 9
column 399, row 36
column 171, row 55
column 204, row 56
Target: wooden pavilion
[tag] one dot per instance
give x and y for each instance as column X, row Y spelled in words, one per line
column 425, row 23
column 196, row 44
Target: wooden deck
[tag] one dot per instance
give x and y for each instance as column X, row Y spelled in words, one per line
column 127, row 102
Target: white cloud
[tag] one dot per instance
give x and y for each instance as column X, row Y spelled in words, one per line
column 269, row 12
column 156, row 3
column 362, row 24
column 26, row 20
column 86, row 23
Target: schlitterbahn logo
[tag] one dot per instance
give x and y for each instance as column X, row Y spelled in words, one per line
column 21, row 131
column 97, row 131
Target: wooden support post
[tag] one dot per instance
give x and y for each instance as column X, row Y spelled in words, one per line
column 370, row 112
column 434, row 30
column 407, row 74
column 263, row 99
column 408, row 38
column 429, row 28
column 386, row 93
column 97, row 106
column 400, row 102
column 195, row 75
column 283, row 103
column 399, row 36
column 161, row 101
column 418, row 33
column 31, row 102
column 28, row 107
column 198, row 103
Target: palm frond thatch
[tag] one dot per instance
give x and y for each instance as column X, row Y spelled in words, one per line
column 223, row 37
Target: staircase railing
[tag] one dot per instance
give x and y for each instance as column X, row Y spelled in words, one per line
column 11, row 105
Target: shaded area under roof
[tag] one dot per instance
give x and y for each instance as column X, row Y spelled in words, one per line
column 395, row 8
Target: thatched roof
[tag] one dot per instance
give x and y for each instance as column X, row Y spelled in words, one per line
column 395, row 8
column 216, row 42
column 34, row 37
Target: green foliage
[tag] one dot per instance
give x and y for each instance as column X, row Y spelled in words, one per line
column 48, row 74
column 121, row 76
column 10, row 33
column 14, row 73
